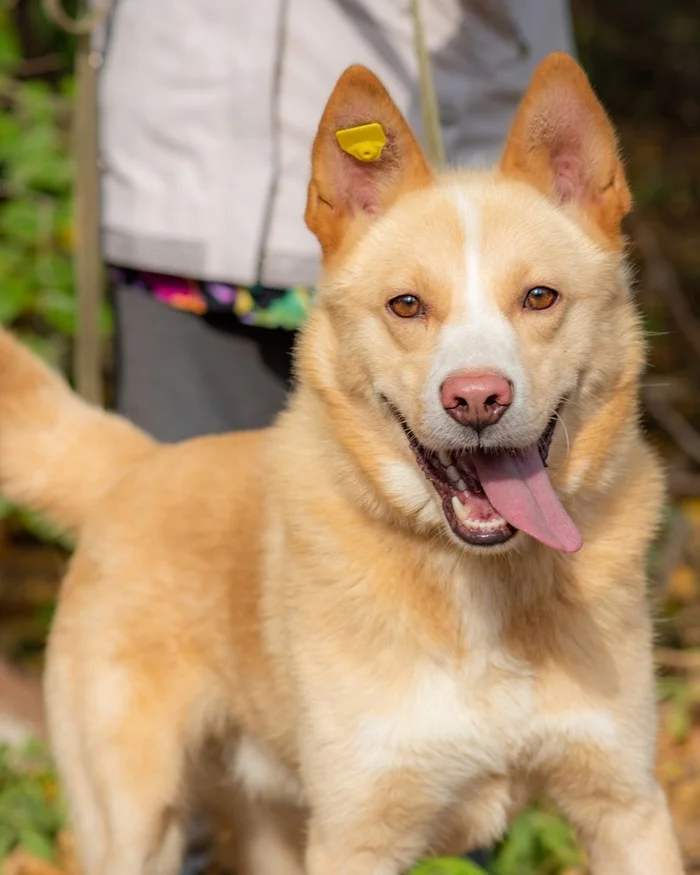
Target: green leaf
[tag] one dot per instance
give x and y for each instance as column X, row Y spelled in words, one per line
column 447, row 866
column 63, row 224
column 669, row 687
column 679, row 720
column 19, row 221
column 10, row 52
column 38, row 101
column 518, row 850
column 44, row 529
column 106, row 319
column 38, row 161
column 11, row 260
column 7, row 841
column 16, row 294
column 10, row 136
column 66, row 87
column 52, row 349
column 45, row 613
column 31, row 812
column 37, row 844
column 538, row 843
column 557, row 842
column 58, row 308
column 54, row 270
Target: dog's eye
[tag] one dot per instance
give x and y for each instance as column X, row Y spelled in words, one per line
column 540, row 298
column 406, row 306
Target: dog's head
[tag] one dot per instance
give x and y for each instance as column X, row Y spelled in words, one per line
column 474, row 328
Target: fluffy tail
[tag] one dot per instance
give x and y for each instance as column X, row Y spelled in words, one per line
column 58, row 455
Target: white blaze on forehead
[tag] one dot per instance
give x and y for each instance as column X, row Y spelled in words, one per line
column 477, row 336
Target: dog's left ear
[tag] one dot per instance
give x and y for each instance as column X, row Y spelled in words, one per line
column 562, row 142
column 364, row 157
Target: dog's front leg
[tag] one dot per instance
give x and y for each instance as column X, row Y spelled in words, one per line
column 323, row 858
column 380, row 828
column 346, row 853
column 628, row 839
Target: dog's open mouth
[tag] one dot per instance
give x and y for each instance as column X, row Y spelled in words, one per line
column 488, row 495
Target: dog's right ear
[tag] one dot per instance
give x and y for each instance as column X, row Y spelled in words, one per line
column 364, row 157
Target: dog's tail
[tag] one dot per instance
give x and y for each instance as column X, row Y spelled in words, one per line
column 58, row 454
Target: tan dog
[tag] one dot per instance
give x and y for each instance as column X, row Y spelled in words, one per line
column 377, row 610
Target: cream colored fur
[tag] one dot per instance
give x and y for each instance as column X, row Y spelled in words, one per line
column 291, row 602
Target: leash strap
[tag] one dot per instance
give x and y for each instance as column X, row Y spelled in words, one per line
column 87, row 350
column 428, row 97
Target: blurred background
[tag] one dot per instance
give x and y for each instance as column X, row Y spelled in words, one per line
column 643, row 57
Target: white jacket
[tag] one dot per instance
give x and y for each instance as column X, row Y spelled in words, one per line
column 208, row 109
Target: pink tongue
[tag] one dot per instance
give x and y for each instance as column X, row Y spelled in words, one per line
column 518, row 487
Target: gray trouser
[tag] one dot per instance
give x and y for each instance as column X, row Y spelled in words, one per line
column 181, row 375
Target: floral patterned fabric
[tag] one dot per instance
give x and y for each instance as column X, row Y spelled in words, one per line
column 257, row 305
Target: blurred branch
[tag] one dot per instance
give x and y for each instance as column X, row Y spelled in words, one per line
column 671, row 549
column 38, row 66
column 681, row 660
column 675, row 425
column 684, row 484
column 663, row 279
column 82, row 26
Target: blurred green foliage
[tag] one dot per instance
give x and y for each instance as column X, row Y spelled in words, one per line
column 36, row 175
column 31, row 812
column 538, row 843
column 447, row 866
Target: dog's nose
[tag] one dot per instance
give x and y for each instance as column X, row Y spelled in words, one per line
column 477, row 400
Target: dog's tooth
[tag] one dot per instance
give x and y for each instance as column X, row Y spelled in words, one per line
column 491, row 525
column 445, row 458
column 461, row 485
column 453, row 474
column 461, row 511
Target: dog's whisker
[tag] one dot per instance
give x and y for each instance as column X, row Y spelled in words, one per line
column 560, row 419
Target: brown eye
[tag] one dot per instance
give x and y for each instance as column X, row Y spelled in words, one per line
column 406, row 306
column 540, row 298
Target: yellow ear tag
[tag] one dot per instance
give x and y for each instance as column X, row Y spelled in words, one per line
column 364, row 142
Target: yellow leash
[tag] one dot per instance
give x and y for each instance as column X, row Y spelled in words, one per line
column 434, row 145
column 87, row 355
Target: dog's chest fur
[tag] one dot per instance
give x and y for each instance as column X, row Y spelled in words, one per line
column 485, row 724
column 488, row 714
column 481, row 734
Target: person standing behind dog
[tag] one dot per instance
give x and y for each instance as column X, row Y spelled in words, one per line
column 208, row 111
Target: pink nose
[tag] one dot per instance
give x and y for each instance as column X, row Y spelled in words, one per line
column 477, row 400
